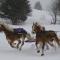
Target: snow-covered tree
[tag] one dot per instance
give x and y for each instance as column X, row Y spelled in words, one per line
column 38, row 5
column 56, row 9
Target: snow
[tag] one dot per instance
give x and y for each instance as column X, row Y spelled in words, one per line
column 43, row 17
column 29, row 50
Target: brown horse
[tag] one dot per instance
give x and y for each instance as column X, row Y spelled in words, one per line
column 43, row 37
column 12, row 36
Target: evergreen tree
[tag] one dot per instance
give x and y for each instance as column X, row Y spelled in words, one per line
column 16, row 10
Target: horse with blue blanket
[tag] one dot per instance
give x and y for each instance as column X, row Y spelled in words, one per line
column 18, row 34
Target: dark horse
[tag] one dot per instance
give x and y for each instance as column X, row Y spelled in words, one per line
column 43, row 37
column 14, row 36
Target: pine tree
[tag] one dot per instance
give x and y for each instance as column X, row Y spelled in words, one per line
column 16, row 10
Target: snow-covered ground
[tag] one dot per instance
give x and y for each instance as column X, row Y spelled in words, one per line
column 29, row 50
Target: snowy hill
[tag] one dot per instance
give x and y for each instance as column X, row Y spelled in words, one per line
column 43, row 17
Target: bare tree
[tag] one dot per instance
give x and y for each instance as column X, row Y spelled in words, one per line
column 56, row 9
column 38, row 5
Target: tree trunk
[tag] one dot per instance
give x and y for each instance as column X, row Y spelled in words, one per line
column 14, row 21
column 55, row 19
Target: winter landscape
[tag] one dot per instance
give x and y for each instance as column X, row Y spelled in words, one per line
column 28, row 52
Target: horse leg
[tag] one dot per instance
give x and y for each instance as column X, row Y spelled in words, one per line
column 11, row 45
column 47, row 47
column 38, row 50
column 19, row 41
column 43, row 49
column 10, row 42
column 38, row 45
column 51, row 44
column 22, row 42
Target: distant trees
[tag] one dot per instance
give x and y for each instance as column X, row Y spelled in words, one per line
column 56, row 9
column 38, row 5
column 16, row 10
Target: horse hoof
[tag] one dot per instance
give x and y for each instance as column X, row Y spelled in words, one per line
column 38, row 51
column 42, row 54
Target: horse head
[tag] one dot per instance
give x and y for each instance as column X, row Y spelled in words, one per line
column 37, row 28
column 2, row 27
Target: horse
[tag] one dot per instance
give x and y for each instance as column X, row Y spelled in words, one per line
column 12, row 36
column 43, row 37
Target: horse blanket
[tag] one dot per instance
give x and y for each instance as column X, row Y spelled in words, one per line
column 20, row 30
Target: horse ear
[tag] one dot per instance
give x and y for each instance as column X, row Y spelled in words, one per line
column 43, row 28
column 36, row 23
